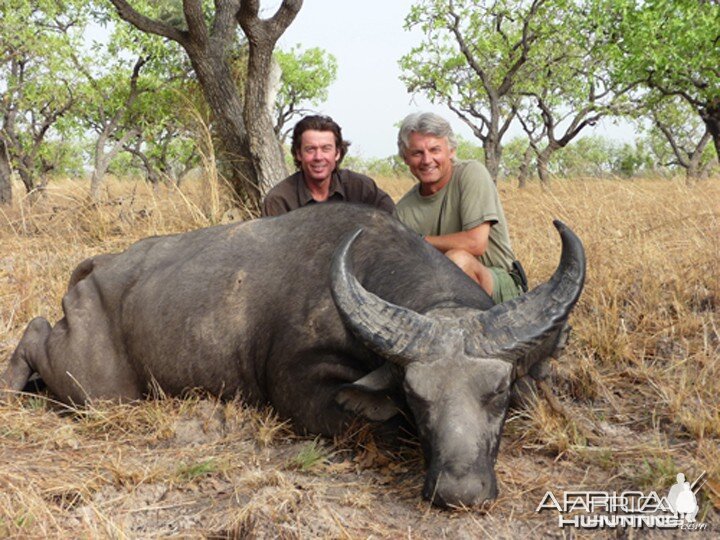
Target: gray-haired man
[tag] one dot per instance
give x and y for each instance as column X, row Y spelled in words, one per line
column 456, row 207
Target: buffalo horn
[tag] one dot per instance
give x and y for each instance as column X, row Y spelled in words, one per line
column 514, row 328
column 392, row 331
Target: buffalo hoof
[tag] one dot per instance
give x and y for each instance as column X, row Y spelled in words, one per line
column 35, row 385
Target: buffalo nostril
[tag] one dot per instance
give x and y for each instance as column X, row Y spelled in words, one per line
column 445, row 490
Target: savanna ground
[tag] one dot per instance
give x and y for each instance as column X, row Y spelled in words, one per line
column 640, row 383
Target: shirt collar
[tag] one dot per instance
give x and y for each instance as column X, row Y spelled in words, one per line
column 336, row 188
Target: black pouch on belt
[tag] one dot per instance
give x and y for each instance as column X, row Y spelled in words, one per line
column 518, row 274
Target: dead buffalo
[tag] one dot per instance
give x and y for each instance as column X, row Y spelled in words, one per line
column 326, row 313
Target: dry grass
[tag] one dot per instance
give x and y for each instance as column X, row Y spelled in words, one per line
column 641, row 383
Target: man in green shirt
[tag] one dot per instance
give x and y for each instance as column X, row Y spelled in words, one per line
column 456, row 206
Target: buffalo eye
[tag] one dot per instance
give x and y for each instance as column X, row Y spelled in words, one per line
column 498, row 394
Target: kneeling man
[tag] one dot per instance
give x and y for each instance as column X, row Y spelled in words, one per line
column 456, row 207
column 318, row 149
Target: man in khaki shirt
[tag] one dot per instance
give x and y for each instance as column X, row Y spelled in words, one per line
column 318, row 149
column 456, row 206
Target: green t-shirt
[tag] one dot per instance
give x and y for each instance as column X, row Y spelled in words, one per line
column 469, row 199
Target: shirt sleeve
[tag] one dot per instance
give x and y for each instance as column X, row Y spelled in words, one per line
column 384, row 202
column 272, row 206
column 372, row 195
column 478, row 197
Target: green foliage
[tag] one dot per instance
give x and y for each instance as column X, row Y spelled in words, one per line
column 124, row 165
column 39, row 82
column 155, row 123
column 66, row 155
column 492, row 61
column 672, row 47
column 596, row 156
column 675, row 134
column 391, row 166
column 310, row 456
column 163, row 73
column 469, row 150
column 191, row 471
column 306, row 77
column 670, row 44
column 440, row 67
column 632, row 159
column 591, row 156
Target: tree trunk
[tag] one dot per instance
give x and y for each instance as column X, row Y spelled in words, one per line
column 694, row 169
column 542, row 169
column 25, row 174
column 524, row 172
column 711, row 117
column 151, row 173
column 493, row 153
column 102, row 160
column 265, row 150
column 222, row 97
column 543, row 158
column 5, row 176
column 99, row 167
column 207, row 48
column 98, row 175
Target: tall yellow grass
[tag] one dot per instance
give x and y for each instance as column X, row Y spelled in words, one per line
column 640, row 382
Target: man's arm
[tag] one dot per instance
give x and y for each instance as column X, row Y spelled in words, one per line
column 278, row 200
column 273, row 206
column 477, row 212
column 474, row 241
column 268, row 209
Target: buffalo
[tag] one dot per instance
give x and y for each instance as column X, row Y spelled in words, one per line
column 327, row 313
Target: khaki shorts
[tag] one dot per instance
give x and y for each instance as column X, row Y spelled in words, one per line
column 504, row 286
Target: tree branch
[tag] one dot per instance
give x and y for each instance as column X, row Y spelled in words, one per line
column 283, row 17
column 146, row 24
column 527, row 39
column 225, row 22
column 465, row 50
column 195, row 19
column 266, row 30
column 477, row 131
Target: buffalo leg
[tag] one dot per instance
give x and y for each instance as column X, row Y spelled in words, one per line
column 23, row 363
column 74, row 367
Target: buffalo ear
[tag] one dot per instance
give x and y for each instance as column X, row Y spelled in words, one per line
column 370, row 395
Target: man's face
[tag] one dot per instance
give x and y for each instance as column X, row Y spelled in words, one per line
column 430, row 160
column 318, row 155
